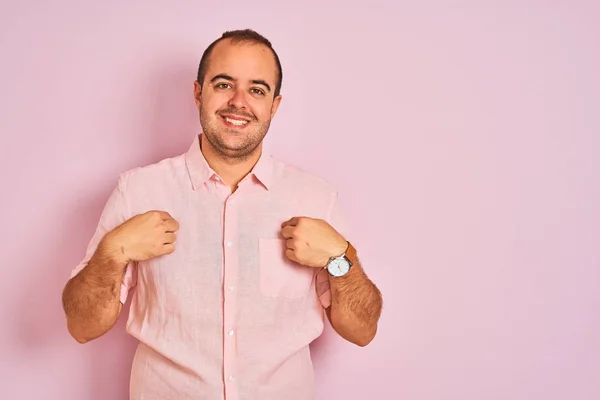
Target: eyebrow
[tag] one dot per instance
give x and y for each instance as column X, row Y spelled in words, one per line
column 229, row 78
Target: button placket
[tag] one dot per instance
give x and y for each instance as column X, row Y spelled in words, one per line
column 230, row 268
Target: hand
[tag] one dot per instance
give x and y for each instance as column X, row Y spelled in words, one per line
column 312, row 242
column 144, row 236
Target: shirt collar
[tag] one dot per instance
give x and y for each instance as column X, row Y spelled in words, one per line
column 263, row 170
column 200, row 172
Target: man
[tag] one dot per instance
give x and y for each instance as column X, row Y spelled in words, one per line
column 235, row 257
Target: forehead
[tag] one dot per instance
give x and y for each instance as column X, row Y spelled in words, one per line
column 243, row 61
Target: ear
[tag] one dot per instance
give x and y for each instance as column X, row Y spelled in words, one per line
column 197, row 94
column 275, row 106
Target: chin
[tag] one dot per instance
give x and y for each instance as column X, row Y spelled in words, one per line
column 234, row 140
column 235, row 145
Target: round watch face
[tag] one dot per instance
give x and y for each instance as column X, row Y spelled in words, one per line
column 338, row 267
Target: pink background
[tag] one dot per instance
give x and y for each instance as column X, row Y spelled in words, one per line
column 465, row 140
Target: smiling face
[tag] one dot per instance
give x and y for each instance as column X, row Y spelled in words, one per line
column 235, row 101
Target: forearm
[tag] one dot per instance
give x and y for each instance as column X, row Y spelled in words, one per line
column 91, row 299
column 356, row 304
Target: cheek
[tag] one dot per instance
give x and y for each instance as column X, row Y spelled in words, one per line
column 263, row 112
column 214, row 103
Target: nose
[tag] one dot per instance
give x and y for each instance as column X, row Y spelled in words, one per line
column 238, row 99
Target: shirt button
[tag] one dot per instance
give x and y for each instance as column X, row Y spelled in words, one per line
column 229, row 244
column 230, row 288
column 230, row 378
column 230, row 333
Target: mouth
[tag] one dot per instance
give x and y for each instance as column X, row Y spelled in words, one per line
column 234, row 121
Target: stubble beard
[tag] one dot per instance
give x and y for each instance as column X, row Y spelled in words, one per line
column 214, row 131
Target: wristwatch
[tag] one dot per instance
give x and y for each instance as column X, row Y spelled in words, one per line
column 339, row 266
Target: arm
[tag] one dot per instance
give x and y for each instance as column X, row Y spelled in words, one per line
column 91, row 299
column 356, row 303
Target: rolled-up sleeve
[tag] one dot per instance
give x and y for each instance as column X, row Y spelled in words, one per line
column 115, row 212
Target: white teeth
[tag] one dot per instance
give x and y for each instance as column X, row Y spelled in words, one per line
column 236, row 121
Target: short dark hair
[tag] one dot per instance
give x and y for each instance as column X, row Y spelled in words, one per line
column 243, row 35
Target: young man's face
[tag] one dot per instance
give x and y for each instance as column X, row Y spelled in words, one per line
column 235, row 101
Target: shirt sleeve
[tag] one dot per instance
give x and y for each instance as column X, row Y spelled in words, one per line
column 337, row 219
column 115, row 212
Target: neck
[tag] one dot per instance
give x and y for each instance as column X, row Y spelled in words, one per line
column 232, row 170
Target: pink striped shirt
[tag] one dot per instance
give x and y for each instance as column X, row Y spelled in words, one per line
column 226, row 316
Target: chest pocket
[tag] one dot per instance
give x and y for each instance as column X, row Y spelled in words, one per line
column 279, row 276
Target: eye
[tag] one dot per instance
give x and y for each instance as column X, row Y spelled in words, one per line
column 257, row 91
column 223, row 85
